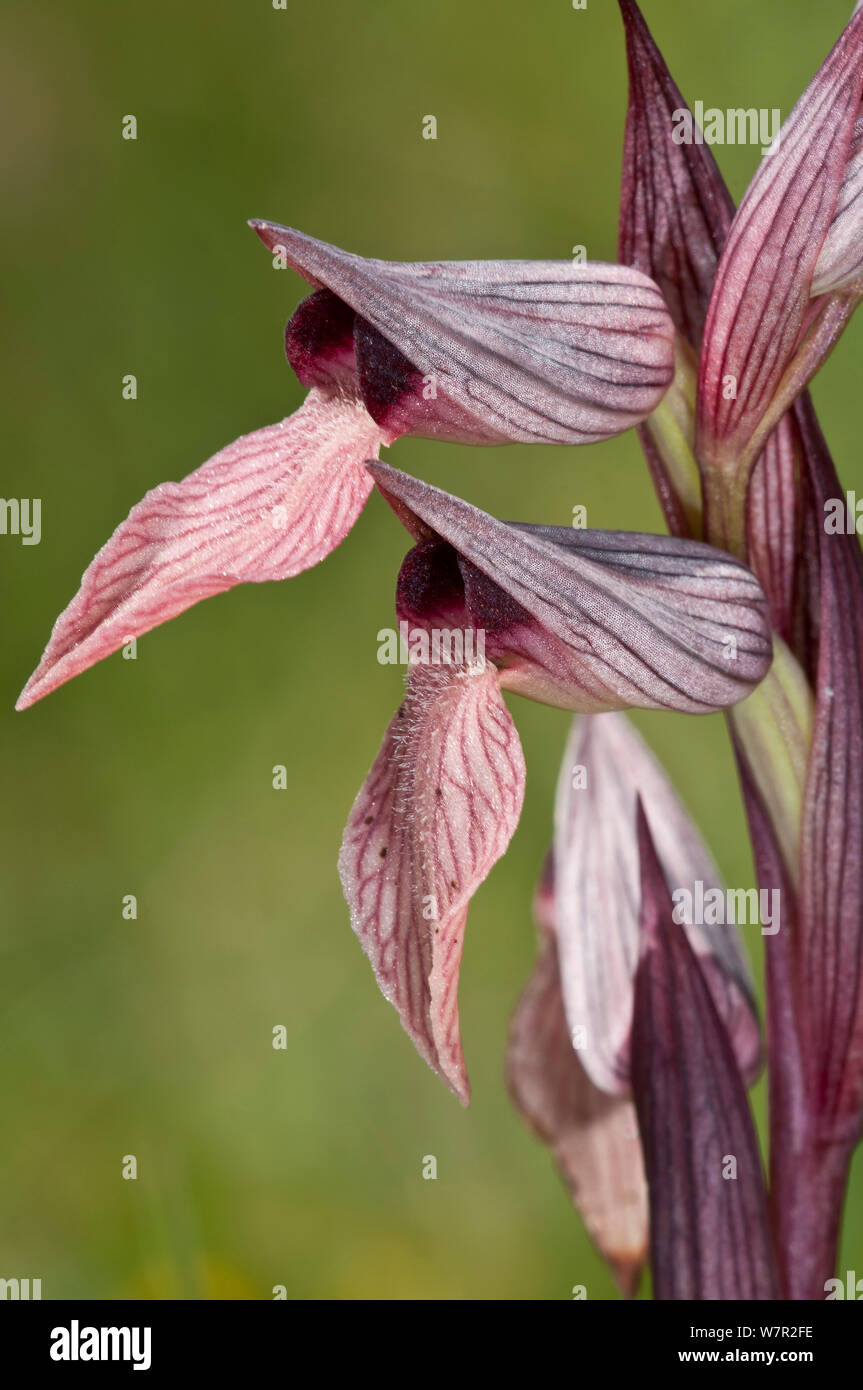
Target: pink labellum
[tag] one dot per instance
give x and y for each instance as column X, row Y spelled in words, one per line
column 271, row 504
column 593, row 1137
column 435, row 813
column 591, row 620
column 760, row 306
column 606, row 768
column 709, row 1233
column 493, row 352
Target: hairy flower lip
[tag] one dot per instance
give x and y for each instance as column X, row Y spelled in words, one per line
column 278, row 500
column 269, row 505
column 642, row 620
column 435, row 813
column 499, row 351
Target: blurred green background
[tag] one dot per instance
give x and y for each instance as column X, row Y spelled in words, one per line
column 153, row 777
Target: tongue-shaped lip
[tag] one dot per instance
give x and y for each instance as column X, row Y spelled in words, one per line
column 680, row 621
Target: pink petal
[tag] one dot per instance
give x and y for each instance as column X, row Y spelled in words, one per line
column 592, row 620
column 761, row 296
column 435, row 813
column 492, row 352
column 675, row 216
column 269, row 505
column 593, row 1137
column 840, row 262
column 606, row 768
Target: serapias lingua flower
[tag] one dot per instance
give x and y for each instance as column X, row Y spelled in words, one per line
column 607, row 767
column 593, row 1136
column 585, row 620
column 569, row 1060
column 791, row 270
column 484, row 352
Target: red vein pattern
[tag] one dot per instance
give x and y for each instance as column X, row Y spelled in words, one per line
column 709, row 1236
column 830, row 955
column 606, row 768
column 435, row 813
column 761, row 294
column 619, row 619
column 774, row 520
column 841, row 259
column 675, row 215
column 532, row 351
column 593, row 1137
column 271, row 504
column 675, row 210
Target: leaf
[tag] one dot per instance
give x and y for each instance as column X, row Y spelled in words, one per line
column 709, row 1231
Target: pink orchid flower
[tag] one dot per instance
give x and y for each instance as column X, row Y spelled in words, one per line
column 570, row 1063
column 583, row 620
column 480, row 352
column 762, row 296
column 593, row 1136
column 791, row 270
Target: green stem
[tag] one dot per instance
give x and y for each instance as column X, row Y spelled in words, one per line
column 774, row 726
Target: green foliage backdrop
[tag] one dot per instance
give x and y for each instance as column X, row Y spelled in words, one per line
column 153, row 777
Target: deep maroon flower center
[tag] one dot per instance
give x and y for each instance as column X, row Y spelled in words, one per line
column 327, row 343
column 437, row 587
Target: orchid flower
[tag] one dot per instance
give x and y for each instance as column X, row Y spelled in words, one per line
column 761, row 296
column 606, row 769
column 570, row 1061
column 632, row 1046
column 593, row 1136
column 790, row 274
column 585, row 620
column 480, row 352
